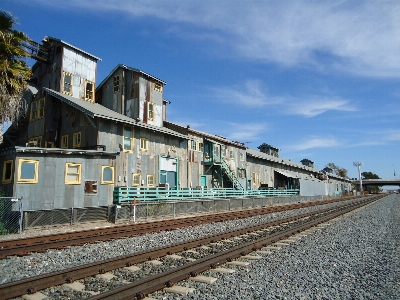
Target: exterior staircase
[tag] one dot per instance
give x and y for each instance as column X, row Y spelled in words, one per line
column 221, row 171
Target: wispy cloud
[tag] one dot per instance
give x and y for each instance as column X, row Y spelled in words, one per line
column 314, row 142
column 251, row 94
column 361, row 38
column 245, row 132
column 316, row 106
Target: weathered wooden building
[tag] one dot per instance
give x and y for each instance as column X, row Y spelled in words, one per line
column 76, row 143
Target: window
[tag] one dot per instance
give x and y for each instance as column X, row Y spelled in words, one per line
column 49, row 145
column 64, row 141
column 150, row 180
column 136, row 178
column 34, row 112
column 151, row 111
column 157, row 86
column 89, row 91
column 224, row 152
column 256, row 178
column 35, row 141
column 231, row 154
column 41, row 105
column 28, row 171
column 73, row 173
column 242, row 173
column 116, row 83
column 193, row 145
column 7, row 171
column 107, row 175
column 76, row 143
column 144, row 144
column 201, row 147
column 67, row 88
column 90, row 187
column 128, row 139
column 241, row 154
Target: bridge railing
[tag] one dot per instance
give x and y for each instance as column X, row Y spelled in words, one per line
column 128, row 194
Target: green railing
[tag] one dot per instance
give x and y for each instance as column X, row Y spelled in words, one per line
column 128, row 194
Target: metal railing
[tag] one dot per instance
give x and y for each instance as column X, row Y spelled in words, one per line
column 129, row 194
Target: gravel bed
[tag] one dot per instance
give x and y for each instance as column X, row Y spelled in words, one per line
column 16, row 268
column 356, row 257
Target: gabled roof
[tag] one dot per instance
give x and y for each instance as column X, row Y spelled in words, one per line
column 130, row 69
column 48, row 38
column 96, row 110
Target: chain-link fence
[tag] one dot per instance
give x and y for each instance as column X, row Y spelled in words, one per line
column 10, row 215
column 143, row 211
column 13, row 219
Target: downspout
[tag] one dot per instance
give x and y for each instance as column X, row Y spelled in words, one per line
column 123, row 92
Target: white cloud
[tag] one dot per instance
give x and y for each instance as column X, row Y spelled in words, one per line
column 246, row 132
column 356, row 37
column 314, row 142
column 317, row 106
column 251, row 94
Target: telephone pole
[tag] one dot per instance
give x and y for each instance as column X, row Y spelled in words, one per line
column 358, row 165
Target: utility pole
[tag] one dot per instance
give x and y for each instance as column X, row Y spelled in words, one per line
column 394, row 172
column 358, row 165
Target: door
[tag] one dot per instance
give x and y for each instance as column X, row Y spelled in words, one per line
column 203, row 180
column 168, row 171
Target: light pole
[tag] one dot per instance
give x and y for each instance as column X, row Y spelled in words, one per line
column 358, row 165
column 394, row 172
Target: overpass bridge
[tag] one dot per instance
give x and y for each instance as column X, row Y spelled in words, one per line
column 378, row 182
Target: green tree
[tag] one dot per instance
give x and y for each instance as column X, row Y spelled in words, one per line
column 371, row 189
column 14, row 71
column 342, row 172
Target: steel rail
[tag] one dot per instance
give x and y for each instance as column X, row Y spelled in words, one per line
column 138, row 290
column 57, row 241
column 30, row 285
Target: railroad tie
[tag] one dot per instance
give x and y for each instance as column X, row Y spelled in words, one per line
column 222, row 270
column 35, row 296
column 180, row 290
column 204, row 279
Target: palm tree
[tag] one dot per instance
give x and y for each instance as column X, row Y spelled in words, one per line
column 14, row 71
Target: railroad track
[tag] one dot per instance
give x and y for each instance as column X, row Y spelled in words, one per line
column 272, row 232
column 58, row 241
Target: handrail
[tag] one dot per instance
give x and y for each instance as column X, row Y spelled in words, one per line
column 128, row 194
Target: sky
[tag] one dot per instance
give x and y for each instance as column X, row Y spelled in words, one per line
column 316, row 79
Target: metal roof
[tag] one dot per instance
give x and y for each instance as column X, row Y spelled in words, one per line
column 100, row 111
column 19, row 149
column 130, row 69
column 209, row 136
column 72, row 46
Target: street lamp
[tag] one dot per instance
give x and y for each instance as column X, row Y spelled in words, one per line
column 358, row 165
column 394, row 172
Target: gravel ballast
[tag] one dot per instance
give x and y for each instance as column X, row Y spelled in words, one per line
column 355, row 257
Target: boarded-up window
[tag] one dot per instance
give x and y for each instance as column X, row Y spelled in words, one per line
column 90, row 187
column 7, row 171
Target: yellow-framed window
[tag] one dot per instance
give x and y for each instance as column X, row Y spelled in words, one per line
column 7, row 171
column 73, row 173
column 34, row 111
column 49, row 145
column 158, row 86
column 77, row 138
column 128, row 139
column 150, row 106
column 116, row 83
column 67, row 85
column 41, row 104
column 35, row 141
column 150, row 180
column 136, row 179
column 256, row 178
column 144, row 144
column 64, row 141
column 107, row 175
column 28, row 171
column 89, row 91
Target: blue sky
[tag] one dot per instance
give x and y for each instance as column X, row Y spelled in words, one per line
column 316, row 79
